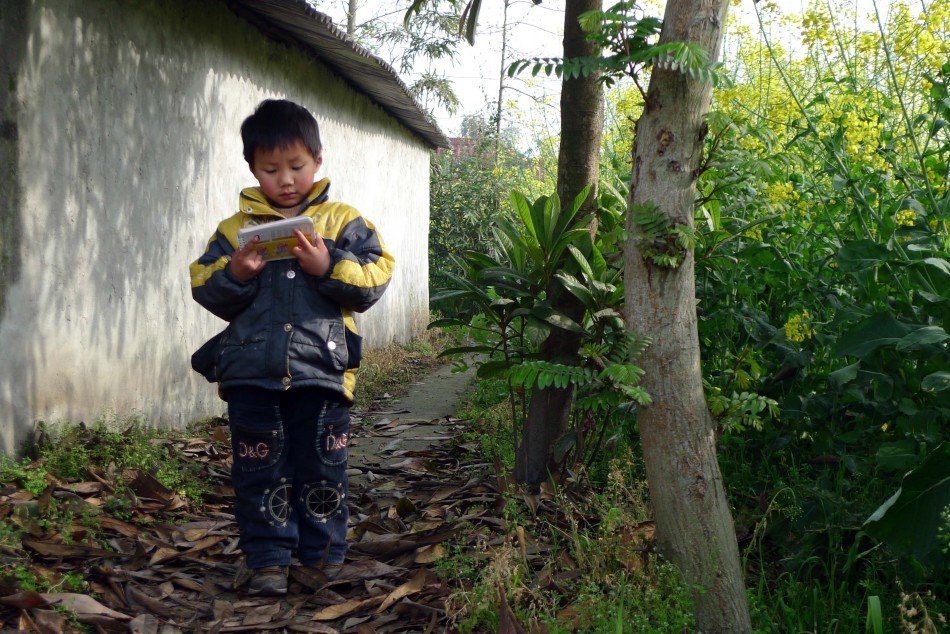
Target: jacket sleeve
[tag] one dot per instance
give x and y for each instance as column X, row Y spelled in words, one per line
column 360, row 266
column 214, row 287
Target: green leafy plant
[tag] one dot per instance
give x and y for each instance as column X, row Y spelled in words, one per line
column 500, row 302
column 468, row 187
column 631, row 48
column 660, row 242
column 71, row 450
column 875, row 620
column 26, row 473
column 911, row 519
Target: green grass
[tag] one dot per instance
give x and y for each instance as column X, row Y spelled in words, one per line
column 808, row 565
column 26, row 473
column 69, row 450
column 654, row 601
column 393, row 368
column 621, row 586
column 489, row 429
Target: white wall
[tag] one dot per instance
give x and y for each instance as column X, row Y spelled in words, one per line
column 126, row 120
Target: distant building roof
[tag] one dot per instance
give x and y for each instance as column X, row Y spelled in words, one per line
column 297, row 22
column 461, row 147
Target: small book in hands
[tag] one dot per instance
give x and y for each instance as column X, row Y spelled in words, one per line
column 276, row 239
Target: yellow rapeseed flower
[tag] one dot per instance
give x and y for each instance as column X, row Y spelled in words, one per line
column 780, row 193
column 798, row 328
column 905, row 218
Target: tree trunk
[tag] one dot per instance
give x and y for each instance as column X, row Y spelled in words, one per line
column 501, row 79
column 351, row 18
column 694, row 523
column 582, row 111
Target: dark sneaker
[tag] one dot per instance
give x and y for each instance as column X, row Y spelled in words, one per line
column 316, row 576
column 242, row 575
column 268, row 582
column 332, row 571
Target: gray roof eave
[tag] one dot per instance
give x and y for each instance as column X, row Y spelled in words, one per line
column 298, row 22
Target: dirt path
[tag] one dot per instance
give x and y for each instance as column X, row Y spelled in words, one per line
column 414, row 422
column 169, row 567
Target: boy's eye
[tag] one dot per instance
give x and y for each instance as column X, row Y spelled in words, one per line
column 270, row 171
column 297, row 167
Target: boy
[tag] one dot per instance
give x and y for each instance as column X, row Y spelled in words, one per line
column 286, row 364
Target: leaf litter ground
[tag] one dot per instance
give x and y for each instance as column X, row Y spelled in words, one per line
column 416, row 492
column 169, row 566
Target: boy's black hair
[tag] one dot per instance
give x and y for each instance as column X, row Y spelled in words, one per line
column 277, row 123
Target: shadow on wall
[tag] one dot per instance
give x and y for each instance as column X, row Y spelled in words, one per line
column 11, row 226
column 122, row 103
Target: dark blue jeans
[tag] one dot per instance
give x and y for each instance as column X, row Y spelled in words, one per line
column 289, row 474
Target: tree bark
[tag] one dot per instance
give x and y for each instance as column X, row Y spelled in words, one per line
column 351, row 18
column 694, row 524
column 582, row 115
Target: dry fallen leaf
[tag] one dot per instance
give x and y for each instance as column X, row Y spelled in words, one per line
column 333, row 612
column 425, row 525
column 144, row 624
column 163, row 554
column 48, row 549
column 407, row 511
column 412, row 586
column 262, row 614
column 119, row 526
column 522, row 541
column 315, row 628
column 83, row 488
column 366, row 569
column 507, row 621
column 87, row 609
column 145, row 600
column 26, row 624
column 443, row 493
column 49, row 621
column 569, row 616
column 354, row 622
column 25, row 600
column 429, row 554
column 222, row 609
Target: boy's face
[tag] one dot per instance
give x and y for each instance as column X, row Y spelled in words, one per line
column 285, row 174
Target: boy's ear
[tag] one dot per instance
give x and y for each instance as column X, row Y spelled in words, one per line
column 319, row 160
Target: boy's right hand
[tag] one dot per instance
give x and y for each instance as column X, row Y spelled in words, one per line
column 246, row 263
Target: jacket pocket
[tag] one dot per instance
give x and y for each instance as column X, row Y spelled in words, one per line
column 354, row 348
column 321, row 346
column 333, row 433
column 241, row 360
column 205, row 359
column 257, row 436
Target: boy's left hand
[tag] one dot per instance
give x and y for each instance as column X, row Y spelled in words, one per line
column 313, row 257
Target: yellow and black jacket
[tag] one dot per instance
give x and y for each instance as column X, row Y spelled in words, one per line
column 287, row 328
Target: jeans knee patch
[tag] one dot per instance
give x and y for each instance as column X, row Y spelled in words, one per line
column 257, row 437
column 275, row 505
column 333, row 434
column 321, row 501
